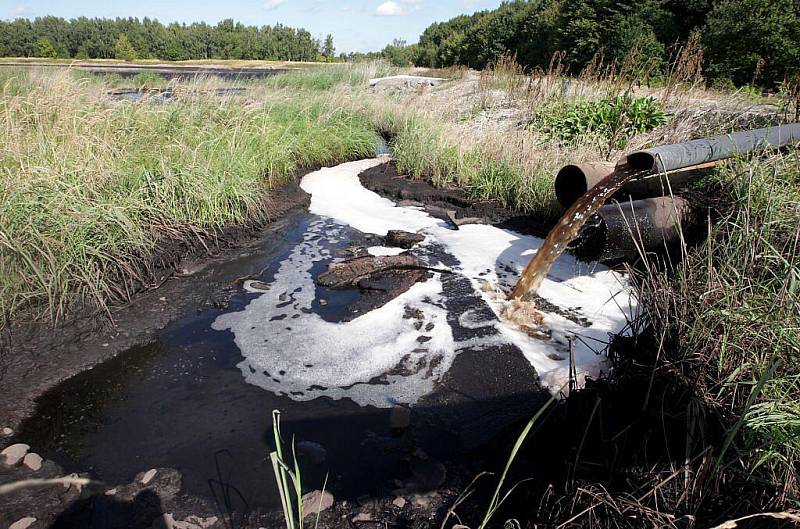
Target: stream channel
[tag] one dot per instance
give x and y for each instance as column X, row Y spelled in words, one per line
column 342, row 366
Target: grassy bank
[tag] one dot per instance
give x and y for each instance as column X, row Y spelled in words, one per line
column 90, row 186
column 729, row 315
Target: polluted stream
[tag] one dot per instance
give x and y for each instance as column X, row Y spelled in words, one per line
column 382, row 387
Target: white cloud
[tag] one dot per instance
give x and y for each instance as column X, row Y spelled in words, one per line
column 390, row 8
column 20, row 10
column 269, row 5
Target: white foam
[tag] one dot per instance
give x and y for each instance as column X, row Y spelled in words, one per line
column 377, row 359
column 384, row 250
column 292, row 351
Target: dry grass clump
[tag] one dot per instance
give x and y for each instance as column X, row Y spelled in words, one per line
column 90, row 186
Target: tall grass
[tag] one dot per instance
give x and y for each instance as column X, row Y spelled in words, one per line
column 89, row 186
column 330, row 76
column 731, row 309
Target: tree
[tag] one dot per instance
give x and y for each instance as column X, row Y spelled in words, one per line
column 123, row 49
column 741, row 34
column 46, row 48
column 328, row 49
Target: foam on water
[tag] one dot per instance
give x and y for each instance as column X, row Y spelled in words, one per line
column 384, row 357
column 384, row 250
column 375, row 359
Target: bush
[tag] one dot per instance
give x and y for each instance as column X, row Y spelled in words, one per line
column 614, row 119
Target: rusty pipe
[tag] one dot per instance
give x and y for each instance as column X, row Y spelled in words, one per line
column 627, row 229
column 573, row 181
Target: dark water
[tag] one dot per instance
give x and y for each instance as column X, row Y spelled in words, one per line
column 166, row 71
column 181, row 402
column 164, row 95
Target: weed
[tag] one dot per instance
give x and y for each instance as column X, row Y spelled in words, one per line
column 288, row 479
column 615, row 119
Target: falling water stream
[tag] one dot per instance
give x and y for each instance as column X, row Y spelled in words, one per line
column 567, row 230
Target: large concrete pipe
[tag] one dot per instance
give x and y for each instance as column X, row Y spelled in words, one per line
column 573, row 181
column 671, row 157
column 623, row 229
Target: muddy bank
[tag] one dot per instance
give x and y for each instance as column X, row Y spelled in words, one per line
column 35, row 356
column 386, row 181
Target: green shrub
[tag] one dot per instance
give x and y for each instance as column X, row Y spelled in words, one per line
column 614, row 119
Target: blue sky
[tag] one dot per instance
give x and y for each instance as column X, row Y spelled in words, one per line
column 357, row 25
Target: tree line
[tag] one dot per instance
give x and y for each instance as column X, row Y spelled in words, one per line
column 745, row 41
column 131, row 38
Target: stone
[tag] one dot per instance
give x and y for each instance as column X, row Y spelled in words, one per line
column 399, row 502
column 165, row 521
column 111, row 492
column 348, row 273
column 23, row 523
column 204, row 523
column 316, row 501
column 7, row 432
column 148, row 476
column 362, row 517
column 33, row 461
column 14, row 454
column 403, row 239
column 400, row 418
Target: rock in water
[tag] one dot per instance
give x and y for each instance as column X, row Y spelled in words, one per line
column 403, row 239
column 148, row 476
column 33, row 461
column 316, row 501
column 22, row 523
column 314, row 451
column 349, row 273
column 14, row 454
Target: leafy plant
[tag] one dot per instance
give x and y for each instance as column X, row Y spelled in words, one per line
column 615, row 119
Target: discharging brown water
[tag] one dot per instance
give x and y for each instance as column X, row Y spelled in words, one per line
column 567, row 230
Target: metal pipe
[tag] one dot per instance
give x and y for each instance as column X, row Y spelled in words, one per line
column 680, row 155
column 573, row 181
column 625, row 229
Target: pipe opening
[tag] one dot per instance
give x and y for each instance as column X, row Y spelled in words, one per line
column 570, row 185
column 641, row 161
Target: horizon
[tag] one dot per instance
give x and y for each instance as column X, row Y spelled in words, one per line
column 356, row 25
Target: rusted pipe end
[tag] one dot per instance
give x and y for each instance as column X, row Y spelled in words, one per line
column 573, row 181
